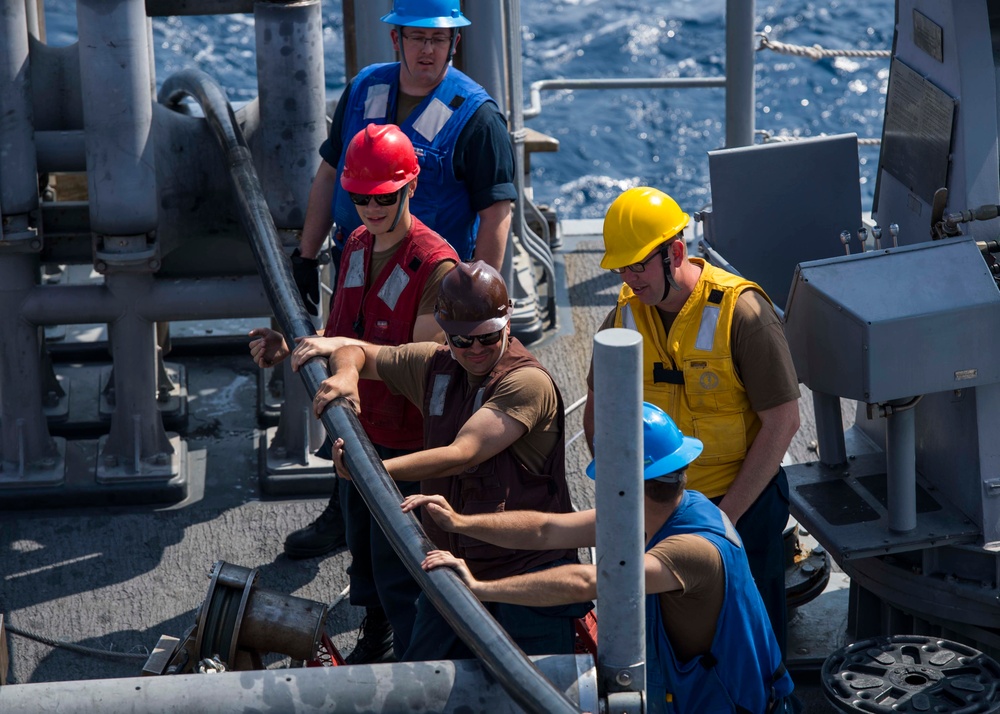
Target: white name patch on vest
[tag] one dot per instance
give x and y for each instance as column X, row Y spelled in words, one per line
column 433, row 119
column 377, row 101
column 355, row 276
column 393, row 287
column 438, row 392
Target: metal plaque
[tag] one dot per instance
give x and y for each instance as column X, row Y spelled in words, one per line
column 928, row 36
column 918, row 125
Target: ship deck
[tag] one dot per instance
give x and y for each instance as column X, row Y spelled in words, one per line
column 115, row 578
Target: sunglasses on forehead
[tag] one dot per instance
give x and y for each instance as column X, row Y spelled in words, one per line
column 465, row 341
column 382, row 199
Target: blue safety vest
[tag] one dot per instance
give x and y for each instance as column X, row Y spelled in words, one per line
column 441, row 200
column 743, row 672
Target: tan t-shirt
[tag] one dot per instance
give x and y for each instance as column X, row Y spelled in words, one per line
column 381, row 258
column 526, row 395
column 691, row 614
column 760, row 351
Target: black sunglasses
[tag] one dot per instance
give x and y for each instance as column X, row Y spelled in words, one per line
column 382, row 199
column 465, row 341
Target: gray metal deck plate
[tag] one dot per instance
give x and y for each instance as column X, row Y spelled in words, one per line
column 846, row 510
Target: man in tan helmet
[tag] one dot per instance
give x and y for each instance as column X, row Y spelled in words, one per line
column 493, row 441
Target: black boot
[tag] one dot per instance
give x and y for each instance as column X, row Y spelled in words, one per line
column 322, row 536
column 375, row 639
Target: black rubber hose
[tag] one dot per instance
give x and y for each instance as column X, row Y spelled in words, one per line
column 488, row 641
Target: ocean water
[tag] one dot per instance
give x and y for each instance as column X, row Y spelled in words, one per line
column 611, row 140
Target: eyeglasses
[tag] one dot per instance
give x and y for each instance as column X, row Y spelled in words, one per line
column 437, row 42
column 382, row 199
column 635, row 267
column 465, row 341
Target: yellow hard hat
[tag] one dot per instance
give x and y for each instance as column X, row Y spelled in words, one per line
column 638, row 221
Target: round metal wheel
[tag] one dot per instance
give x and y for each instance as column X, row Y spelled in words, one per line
column 910, row 673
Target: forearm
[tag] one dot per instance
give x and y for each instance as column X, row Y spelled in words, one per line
column 762, row 460
column 357, row 355
column 517, row 530
column 429, row 463
column 491, row 239
column 319, row 215
column 561, row 585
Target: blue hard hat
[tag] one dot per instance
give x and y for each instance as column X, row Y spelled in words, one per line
column 426, row 13
column 665, row 449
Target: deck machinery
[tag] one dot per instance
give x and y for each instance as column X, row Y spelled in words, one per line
column 901, row 314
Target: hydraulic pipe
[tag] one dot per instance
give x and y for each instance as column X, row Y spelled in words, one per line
column 18, row 177
column 482, row 48
column 445, row 687
column 24, row 432
column 466, row 615
column 292, row 103
column 136, row 431
column 901, row 467
column 118, row 116
column 739, row 72
column 61, row 151
column 372, row 41
column 829, row 429
column 166, row 8
column 618, row 448
column 535, row 246
column 166, row 301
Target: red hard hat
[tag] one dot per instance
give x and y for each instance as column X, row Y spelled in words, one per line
column 380, row 159
column 472, row 300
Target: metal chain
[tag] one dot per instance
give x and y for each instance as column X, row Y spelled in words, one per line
column 816, row 52
column 81, row 649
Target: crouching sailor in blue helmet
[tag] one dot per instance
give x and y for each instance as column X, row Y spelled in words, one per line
column 709, row 644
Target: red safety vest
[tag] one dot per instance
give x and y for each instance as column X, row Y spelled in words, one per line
column 384, row 313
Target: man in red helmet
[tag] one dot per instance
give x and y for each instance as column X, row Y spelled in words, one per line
column 493, row 441
column 393, row 266
column 459, row 133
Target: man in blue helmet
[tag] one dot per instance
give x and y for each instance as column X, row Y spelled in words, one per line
column 460, row 136
column 709, row 645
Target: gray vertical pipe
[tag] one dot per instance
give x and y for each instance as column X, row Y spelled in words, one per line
column 829, row 429
column 18, row 172
column 292, row 91
column 136, row 418
column 118, row 113
column 34, row 15
column 24, row 429
column 739, row 73
column 373, row 41
column 482, row 48
column 901, row 465
column 618, row 447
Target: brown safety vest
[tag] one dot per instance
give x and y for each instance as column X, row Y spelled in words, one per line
column 501, row 483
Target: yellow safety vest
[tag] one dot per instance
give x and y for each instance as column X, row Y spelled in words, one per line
column 690, row 373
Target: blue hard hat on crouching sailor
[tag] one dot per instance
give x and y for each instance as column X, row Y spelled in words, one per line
column 666, row 451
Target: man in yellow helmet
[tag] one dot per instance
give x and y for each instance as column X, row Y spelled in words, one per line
column 716, row 360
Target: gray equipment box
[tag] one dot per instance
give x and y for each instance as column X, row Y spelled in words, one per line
column 896, row 323
column 765, row 217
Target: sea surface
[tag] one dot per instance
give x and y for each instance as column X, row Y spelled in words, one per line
column 611, row 140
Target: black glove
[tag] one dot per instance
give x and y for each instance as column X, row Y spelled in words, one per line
column 306, row 274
